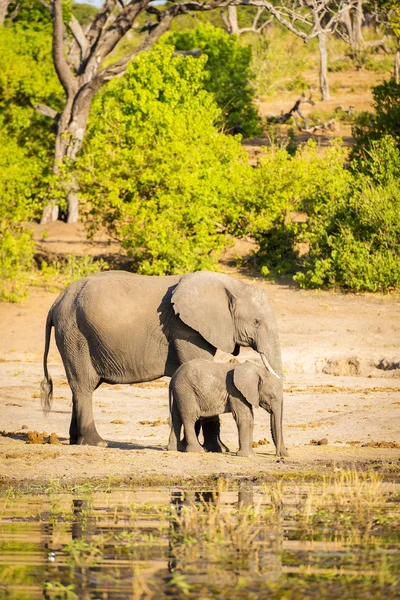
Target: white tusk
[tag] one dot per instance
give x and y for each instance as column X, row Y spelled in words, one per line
column 268, row 366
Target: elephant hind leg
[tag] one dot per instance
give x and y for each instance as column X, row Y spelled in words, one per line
column 211, row 432
column 174, row 443
column 83, row 429
column 192, row 442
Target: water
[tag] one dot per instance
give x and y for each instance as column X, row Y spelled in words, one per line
column 336, row 539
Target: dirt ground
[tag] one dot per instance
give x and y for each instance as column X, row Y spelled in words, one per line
column 348, row 89
column 341, row 358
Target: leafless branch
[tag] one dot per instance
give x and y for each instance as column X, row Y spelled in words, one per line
column 45, row 110
column 64, row 73
column 77, row 31
column 97, row 25
column 119, row 67
column 195, row 53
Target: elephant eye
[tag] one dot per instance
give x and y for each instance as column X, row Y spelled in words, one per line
column 257, row 323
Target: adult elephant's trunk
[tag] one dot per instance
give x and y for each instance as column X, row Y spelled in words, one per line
column 276, row 431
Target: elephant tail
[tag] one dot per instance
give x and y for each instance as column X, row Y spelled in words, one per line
column 46, row 386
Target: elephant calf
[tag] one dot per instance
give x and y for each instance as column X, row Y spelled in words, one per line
column 200, row 388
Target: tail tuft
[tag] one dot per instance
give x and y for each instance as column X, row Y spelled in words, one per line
column 46, row 394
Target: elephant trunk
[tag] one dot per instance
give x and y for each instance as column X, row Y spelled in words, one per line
column 276, row 432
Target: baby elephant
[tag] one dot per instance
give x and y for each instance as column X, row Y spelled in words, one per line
column 201, row 388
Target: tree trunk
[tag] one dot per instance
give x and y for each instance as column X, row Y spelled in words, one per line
column 346, row 20
column 397, row 62
column 233, row 19
column 70, row 133
column 357, row 23
column 323, row 67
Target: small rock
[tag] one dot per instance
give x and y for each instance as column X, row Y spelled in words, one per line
column 323, row 442
column 118, row 422
column 24, row 427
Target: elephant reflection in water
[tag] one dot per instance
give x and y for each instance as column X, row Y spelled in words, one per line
column 261, row 545
column 83, row 528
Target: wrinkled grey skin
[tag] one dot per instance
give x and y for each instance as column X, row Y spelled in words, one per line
column 200, row 388
column 117, row 327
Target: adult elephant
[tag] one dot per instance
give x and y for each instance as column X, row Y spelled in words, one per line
column 117, row 327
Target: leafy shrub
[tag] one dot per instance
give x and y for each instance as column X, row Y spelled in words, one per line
column 18, row 174
column 279, row 61
column 27, row 77
column 286, row 184
column 230, row 75
column 385, row 120
column 59, row 274
column 155, row 172
column 355, row 238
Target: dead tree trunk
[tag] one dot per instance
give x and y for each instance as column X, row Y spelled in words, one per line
column 233, row 19
column 323, row 67
column 358, row 19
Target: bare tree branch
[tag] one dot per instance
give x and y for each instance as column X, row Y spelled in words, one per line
column 64, row 73
column 98, row 23
column 119, row 67
column 77, row 31
column 45, row 110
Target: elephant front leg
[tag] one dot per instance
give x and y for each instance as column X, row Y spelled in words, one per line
column 83, row 428
column 245, row 425
column 211, row 432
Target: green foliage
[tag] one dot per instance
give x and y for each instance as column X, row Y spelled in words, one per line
column 286, row 185
column 279, row 61
column 155, row 171
column 384, row 121
column 18, row 173
column 355, row 238
column 84, row 12
column 60, row 273
column 230, row 75
column 27, row 78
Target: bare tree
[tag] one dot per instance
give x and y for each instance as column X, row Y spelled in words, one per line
column 230, row 20
column 308, row 19
column 81, row 70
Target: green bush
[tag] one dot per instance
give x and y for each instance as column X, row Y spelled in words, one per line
column 60, row 273
column 28, row 77
column 155, row 171
column 285, row 184
column 355, row 238
column 385, row 120
column 230, row 75
column 18, row 174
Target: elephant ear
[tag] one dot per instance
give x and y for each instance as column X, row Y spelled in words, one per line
column 247, row 379
column 204, row 301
